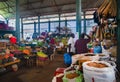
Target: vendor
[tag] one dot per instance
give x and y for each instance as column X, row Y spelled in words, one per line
column 13, row 39
column 106, row 45
column 71, row 43
column 81, row 44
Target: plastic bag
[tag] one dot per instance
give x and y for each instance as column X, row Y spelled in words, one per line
column 67, row 59
column 76, row 79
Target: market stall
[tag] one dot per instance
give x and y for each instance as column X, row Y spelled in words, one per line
column 88, row 67
column 99, row 63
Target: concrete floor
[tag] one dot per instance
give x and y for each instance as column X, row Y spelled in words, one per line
column 36, row 74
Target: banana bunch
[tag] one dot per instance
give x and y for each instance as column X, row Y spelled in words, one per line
column 108, row 7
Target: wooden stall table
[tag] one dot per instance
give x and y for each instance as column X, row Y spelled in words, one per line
column 10, row 63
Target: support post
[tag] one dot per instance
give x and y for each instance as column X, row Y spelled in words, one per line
column 7, row 21
column 49, row 29
column 17, row 20
column 59, row 22
column 118, row 35
column 66, row 22
column 34, row 27
column 78, row 16
column 84, row 22
column 38, row 24
column 22, row 28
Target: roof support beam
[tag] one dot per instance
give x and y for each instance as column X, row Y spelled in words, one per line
column 42, row 8
column 39, row 7
column 59, row 5
column 48, row 13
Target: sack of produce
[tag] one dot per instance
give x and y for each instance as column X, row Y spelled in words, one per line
column 91, row 56
column 104, row 57
column 72, row 76
column 98, row 71
column 88, row 57
column 75, row 58
column 84, row 57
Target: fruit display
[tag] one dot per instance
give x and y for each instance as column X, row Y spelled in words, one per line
column 41, row 54
column 26, row 51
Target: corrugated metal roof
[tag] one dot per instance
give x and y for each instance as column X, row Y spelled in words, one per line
column 44, row 7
